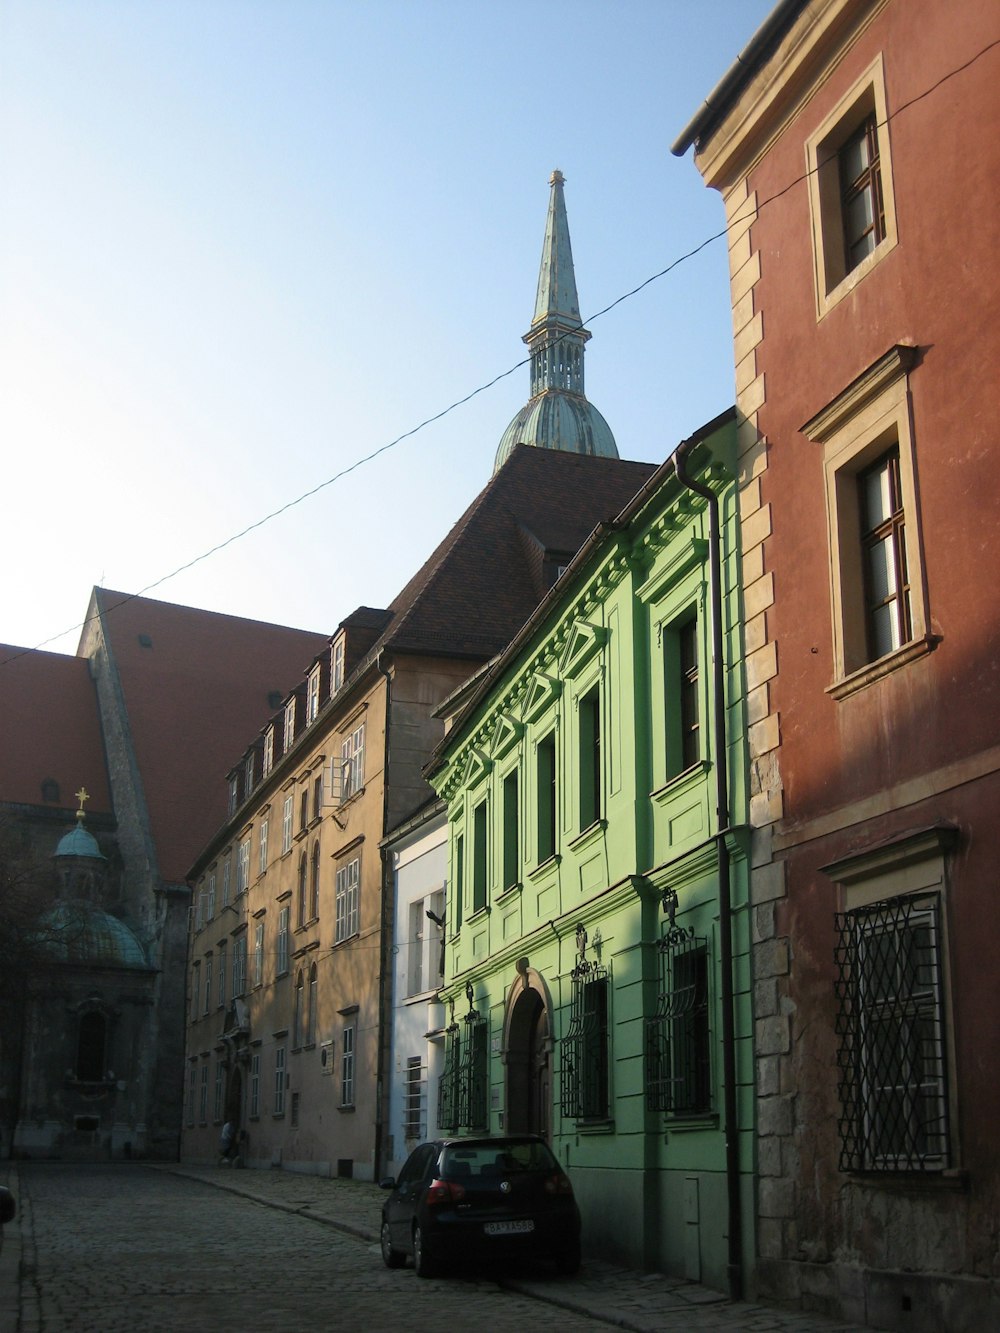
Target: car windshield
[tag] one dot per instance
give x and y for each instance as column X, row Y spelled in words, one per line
column 498, row 1158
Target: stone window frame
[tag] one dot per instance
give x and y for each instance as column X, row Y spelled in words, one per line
column 832, row 278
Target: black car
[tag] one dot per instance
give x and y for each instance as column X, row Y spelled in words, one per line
column 489, row 1198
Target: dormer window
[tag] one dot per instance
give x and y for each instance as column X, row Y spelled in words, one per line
column 289, row 724
column 312, row 695
column 234, row 794
column 267, row 762
column 337, row 665
column 248, row 775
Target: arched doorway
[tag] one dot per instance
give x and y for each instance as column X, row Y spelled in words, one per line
column 529, row 1070
column 234, row 1097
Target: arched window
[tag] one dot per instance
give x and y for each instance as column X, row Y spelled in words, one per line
column 301, row 909
column 314, row 885
column 91, row 1040
column 311, row 1020
column 297, row 1016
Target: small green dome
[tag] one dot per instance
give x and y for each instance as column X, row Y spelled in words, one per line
column 76, row 932
column 558, row 420
column 78, row 842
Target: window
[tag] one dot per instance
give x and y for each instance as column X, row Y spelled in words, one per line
column 459, row 879
column 590, row 757
column 267, row 759
column 463, row 1088
column 243, row 867
column 585, row 1055
column 92, row 1038
column 415, row 949
column 850, row 189
column 347, row 900
column 546, row 791
column 413, row 1099
column 425, row 956
column 297, row 1012
column 511, row 831
column 192, row 1085
column 337, row 665
column 208, row 984
column 301, row 896
column 195, row 990
column 254, row 1109
column 279, row 1081
column 479, row 862
column 258, row 954
column 678, row 1050
column 314, row 884
column 311, row 1011
column 225, row 882
column 262, row 848
column 352, row 756
column 303, row 808
column 682, row 685
column 248, row 775
column 289, row 728
column 880, row 619
column 203, row 1096
column 199, row 911
column 240, row 966
column 347, row 1068
column 318, row 796
column 286, row 826
column 891, row 1025
column 282, row 941
column 210, row 901
column 234, row 794
column 312, row 696
column 220, row 1075
column 222, row 976
column 295, row 1110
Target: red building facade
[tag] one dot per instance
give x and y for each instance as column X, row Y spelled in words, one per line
column 854, row 145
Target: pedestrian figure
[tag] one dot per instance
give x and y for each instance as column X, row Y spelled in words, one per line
column 228, row 1144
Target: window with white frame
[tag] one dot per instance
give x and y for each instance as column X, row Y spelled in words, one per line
column 219, row 1085
column 337, row 665
column 282, row 941
column 879, row 601
column 262, row 847
column 347, row 890
column 314, row 884
column 310, row 1032
column 297, row 1012
column 210, row 899
column 279, row 1081
column 286, row 825
column 234, row 794
column 226, row 877
column 248, row 774
column 254, row 1103
column 413, row 1107
column 195, row 990
column 267, row 757
column 222, row 976
column 347, row 1068
column 240, row 966
column 208, row 983
column 424, row 952
column 243, row 867
column 258, row 954
column 199, row 910
column 289, row 728
column 850, row 189
column 303, row 882
column 352, row 756
column 203, row 1096
column 312, row 696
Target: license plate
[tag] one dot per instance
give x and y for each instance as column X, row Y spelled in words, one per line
column 508, row 1228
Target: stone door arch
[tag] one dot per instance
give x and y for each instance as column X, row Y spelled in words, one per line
column 528, row 1056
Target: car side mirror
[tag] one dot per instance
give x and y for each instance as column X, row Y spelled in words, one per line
column 8, row 1205
column 389, row 1183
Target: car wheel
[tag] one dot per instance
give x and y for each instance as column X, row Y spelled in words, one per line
column 392, row 1258
column 568, row 1260
column 423, row 1265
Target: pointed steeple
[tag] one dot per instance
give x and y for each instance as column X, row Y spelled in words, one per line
column 558, row 415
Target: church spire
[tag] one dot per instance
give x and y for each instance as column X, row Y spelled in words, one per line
column 557, row 415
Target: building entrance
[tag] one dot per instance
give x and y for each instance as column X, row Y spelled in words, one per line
column 529, row 1076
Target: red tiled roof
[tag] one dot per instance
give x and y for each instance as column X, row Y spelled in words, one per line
column 50, row 728
column 484, row 580
column 195, row 695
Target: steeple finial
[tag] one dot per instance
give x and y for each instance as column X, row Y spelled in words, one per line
column 556, row 300
column 83, row 796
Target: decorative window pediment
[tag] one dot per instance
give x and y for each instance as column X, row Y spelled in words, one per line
column 583, row 642
column 507, row 733
column 477, row 765
column 542, row 691
column 668, row 570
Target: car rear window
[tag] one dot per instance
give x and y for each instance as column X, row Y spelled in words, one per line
column 496, row 1159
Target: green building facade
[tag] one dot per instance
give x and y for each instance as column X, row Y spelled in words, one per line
column 597, row 983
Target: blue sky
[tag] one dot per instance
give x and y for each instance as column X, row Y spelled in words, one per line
column 245, row 243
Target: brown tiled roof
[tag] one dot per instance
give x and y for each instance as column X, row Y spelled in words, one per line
column 50, row 728
column 484, row 580
column 195, row 695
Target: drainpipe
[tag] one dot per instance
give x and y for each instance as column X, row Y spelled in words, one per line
column 730, row 1121
column 385, row 979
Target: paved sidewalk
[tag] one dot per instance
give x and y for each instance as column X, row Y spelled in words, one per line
column 645, row 1303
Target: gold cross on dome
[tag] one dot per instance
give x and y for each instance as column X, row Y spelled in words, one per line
column 83, row 795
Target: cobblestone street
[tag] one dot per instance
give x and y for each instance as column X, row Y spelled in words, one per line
column 103, row 1249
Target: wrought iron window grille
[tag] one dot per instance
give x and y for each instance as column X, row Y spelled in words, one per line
column 892, row 1059
column 584, row 1091
column 463, row 1088
column 678, row 1046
